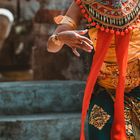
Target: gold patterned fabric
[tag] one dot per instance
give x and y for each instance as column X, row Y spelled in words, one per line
column 134, row 45
column 132, row 116
column 129, row 127
column 101, row 108
column 98, row 117
column 108, row 77
column 134, row 105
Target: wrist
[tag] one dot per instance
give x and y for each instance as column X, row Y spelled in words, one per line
column 56, row 39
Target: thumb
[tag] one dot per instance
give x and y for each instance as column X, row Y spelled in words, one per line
column 82, row 32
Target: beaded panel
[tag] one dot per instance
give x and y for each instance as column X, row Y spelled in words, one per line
column 118, row 15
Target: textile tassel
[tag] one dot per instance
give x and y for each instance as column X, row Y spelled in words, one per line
column 103, row 43
column 118, row 129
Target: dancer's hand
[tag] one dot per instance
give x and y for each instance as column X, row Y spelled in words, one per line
column 75, row 39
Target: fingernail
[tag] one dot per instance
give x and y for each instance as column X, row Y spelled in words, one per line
column 91, row 47
column 89, row 51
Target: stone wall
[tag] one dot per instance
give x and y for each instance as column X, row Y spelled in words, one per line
column 24, row 50
column 40, row 110
column 15, row 55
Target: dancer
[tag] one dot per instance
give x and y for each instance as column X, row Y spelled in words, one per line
column 112, row 93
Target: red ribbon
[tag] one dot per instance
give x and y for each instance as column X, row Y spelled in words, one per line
column 103, row 42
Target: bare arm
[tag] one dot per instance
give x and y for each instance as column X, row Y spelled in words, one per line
column 74, row 13
column 68, row 36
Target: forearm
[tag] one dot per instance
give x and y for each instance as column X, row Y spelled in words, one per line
column 71, row 22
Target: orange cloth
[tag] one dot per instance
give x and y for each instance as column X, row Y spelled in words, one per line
column 134, row 45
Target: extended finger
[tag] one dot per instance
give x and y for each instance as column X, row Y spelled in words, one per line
column 86, row 39
column 85, row 45
column 74, row 50
column 82, row 47
column 81, row 32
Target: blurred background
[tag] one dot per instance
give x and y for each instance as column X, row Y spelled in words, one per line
column 40, row 93
column 23, row 55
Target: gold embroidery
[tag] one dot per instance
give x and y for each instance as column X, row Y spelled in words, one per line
column 134, row 105
column 98, row 117
column 108, row 77
column 128, row 122
column 132, row 115
column 131, row 138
